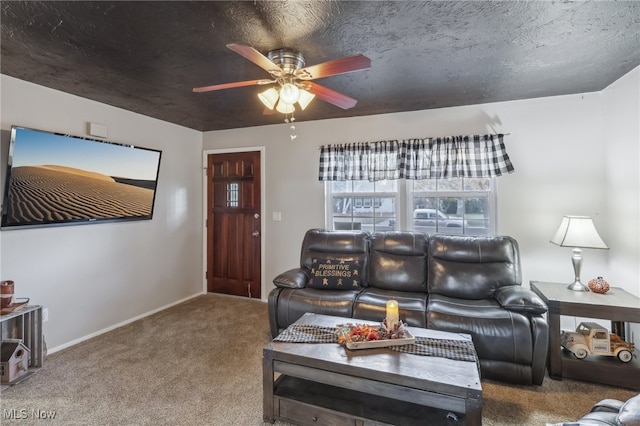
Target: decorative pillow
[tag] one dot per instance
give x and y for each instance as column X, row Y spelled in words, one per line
column 335, row 274
column 519, row 299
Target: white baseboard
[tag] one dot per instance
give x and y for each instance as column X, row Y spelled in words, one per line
column 123, row 323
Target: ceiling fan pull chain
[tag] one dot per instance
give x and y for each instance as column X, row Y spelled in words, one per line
column 292, row 127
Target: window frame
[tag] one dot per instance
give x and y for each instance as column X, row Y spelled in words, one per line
column 404, row 199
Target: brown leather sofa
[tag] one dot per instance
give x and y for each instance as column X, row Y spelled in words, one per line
column 452, row 283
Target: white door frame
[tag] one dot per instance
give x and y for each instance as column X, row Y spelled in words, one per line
column 263, row 222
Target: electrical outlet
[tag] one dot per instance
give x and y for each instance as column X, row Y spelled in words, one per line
column 45, row 315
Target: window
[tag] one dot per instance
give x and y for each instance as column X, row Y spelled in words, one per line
column 361, row 204
column 464, row 206
column 232, row 194
column 433, row 185
column 452, row 206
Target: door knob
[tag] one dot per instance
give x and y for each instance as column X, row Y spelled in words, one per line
column 255, row 233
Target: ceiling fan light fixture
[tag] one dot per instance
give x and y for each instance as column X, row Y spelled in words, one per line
column 289, row 93
column 305, row 98
column 269, row 97
column 284, row 107
column 287, row 70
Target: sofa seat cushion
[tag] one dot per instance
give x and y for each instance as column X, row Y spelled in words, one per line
column 371, row 304
column 293, row 303
column 498, row 334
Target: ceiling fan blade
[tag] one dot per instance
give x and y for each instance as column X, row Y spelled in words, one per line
column 337, row 66
column 331, row 96
column 254, row 56
column 232, row 85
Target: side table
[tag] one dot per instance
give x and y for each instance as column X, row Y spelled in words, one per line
column 617, row 305
column 25, row 324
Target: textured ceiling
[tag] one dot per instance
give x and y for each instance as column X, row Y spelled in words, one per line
column 146, row 56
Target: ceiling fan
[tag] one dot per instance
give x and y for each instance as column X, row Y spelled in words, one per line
column 292, row 80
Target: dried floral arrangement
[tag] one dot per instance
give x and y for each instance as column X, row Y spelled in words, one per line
column 350, row 332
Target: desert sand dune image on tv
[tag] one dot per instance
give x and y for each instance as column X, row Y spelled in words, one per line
column 49, row 194
column 58, row 179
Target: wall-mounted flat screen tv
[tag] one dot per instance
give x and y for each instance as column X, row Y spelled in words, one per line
column 58, row 179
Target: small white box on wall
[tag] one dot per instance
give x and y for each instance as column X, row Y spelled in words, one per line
column 97, row 130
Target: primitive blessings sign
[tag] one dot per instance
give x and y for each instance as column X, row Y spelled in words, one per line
column 336, row 274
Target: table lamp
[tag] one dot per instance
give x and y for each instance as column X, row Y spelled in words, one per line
column 578, row 232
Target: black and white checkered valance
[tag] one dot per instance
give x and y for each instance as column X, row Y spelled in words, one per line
column 429, row 158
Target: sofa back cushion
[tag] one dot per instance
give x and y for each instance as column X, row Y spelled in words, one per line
column 472, row 267
column 335, row 260
column 398, row 261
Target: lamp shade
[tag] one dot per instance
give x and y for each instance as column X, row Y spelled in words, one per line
column 284, row 108
column 289, row 93
column 578, row 231
column 305, row 98
column 269, row 97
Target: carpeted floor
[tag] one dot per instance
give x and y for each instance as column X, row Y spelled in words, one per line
column 200, row 363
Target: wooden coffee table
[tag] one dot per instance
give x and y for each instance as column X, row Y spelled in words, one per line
column 324, row 383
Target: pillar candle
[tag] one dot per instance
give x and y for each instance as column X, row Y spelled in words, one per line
column 392, row 314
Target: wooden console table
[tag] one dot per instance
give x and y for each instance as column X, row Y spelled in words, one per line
column 617, row 305
column 26, row 325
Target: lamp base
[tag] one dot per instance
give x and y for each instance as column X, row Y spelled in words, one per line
column 578, row 286
column 576, row 259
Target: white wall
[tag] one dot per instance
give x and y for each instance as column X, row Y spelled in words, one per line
column 621, row 132
column 555, row 145
column 93, row 277
column 621, row 129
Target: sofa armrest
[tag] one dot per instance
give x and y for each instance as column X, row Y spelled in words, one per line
column 293, row 278
column 630, row 412
column 520, row 299
column 608, row 405
column 272, row 301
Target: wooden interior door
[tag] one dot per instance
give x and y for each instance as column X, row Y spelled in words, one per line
column 233, row 224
